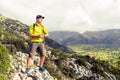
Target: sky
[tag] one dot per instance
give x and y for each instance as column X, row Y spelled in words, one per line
column 66, row 15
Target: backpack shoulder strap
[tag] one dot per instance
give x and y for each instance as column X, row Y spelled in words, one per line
column 33, row 27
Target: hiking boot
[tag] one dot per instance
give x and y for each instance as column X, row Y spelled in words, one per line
column 41, row 69
column 27, row 70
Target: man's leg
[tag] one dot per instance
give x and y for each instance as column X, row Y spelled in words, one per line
column 28, row 64
column 29, row 61
column 42, row 51
column 42, row 59
column 32, row 50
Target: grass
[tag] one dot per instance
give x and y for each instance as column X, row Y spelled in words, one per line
column 99, row 51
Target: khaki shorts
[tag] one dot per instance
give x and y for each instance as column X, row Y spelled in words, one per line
column 37, row 47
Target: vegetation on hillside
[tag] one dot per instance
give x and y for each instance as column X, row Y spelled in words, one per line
column 104, row 55
column 4, row 62
column 57, row 66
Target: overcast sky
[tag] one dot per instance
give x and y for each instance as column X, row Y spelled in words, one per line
column 67, row 15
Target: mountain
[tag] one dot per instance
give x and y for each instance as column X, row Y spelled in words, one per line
column 110, row 36
column 56, row 45
column 68, row 37
column 60, row 36
column 75, row 40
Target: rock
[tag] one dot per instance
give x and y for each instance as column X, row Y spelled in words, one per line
column 33, row 74
column 49, row 53
column 18, row 63
column 73, row 65
column 16, row 77
column 85, row 71
column 88, row 65
column 110, row 76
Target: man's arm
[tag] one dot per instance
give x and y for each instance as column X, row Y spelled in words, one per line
column 34, row 35
column 39, row 35
column 43, row 35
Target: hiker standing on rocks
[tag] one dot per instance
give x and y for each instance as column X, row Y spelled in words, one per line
column 37, row 33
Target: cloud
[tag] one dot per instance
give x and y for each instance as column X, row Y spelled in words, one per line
column 72, row 15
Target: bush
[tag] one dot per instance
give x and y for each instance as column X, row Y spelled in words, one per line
column 80, row 61
column 2, row 77
column 84, row 78
column 63, row 56
column 115, row 71
column 4, row 59
column 51, row 68
column 69, row 72
column 19, row 44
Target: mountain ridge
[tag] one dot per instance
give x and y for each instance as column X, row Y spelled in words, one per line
column 110, row 36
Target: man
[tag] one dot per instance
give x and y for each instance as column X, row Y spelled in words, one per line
column 37, row 33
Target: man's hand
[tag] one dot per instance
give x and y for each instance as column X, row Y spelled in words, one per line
column 42, row 35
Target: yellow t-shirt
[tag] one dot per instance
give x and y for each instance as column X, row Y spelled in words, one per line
column 37, row 29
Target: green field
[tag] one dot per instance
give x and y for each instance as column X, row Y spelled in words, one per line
column 99, row 51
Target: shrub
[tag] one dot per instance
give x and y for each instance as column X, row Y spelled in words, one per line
column 80, row 61
column 63, row 56
column 84, row 78
column 97, row 68
column 4, row 59
column 2, row 77
column 18, row 43
column 69, row 72
column 51, row 68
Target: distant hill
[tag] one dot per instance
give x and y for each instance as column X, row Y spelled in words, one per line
column 76, row 39
column 110, row 36
column 61, row 36
column 68, row 37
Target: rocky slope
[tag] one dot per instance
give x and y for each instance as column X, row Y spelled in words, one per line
column 18, row 64
column 79, row 71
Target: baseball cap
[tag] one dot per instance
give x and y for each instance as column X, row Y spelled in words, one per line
column 39, row 16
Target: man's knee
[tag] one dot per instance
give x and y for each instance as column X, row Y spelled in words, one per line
column 30, row 56
column 42, row 55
